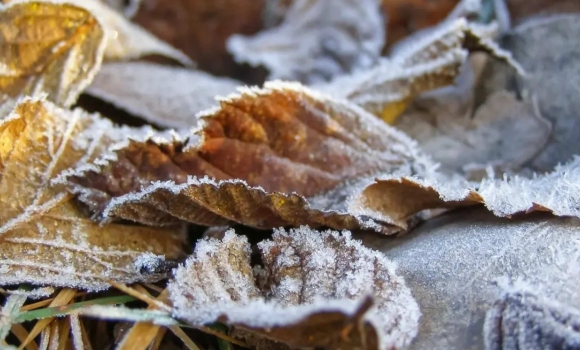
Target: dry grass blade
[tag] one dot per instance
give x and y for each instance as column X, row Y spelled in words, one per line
column 22, row 333
column 156, row 344
column 142, row 334
column 45, row 302
column 64, row 333
column 184, row 338
column 63, row 298
column 142, row 295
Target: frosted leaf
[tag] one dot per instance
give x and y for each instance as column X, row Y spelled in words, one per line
column 432, row 61
column 165, row 96
column 316, row 41
column 542, row 46
column 453, row 265
column 278, row 156
column 555, row 192
column 524, row 320
column 48, row 48
column 126, row 40
column 503, row 132
column 314, row 289
column 45, row 238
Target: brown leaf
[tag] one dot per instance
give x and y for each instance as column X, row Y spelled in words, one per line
column 283, row 155
column 314, row 289
column 200, row 28
column 316, row 41
column 45, row 237
column 48, row 47
column 554, row 192
column 165, row 96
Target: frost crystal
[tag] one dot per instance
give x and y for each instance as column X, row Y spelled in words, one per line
column 305, row 274
column 316, row 41
column 453, row 265
column 523, row 320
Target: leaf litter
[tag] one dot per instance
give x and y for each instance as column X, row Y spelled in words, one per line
column 88, row 204
column 312, row 290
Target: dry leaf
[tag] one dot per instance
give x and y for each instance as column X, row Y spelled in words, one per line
column 453, row 264
column 48, row 47
column 313, row 290
column 199, row 28
column 315, row 41
column 555, row 192
column 279, row 156
column 503, row 132
column 543, row 47
column 524, row 320
column 45, row 238
column 126, row 40
column 165, row 96
column 432, row 61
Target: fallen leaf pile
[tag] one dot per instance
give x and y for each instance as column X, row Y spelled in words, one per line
column 202, row 175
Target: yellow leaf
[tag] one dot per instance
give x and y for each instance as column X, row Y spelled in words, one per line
column 48, row 47
column 45, row 237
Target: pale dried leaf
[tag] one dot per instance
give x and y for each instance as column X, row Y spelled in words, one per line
column 432, row 61
column 48, row 47
column 503, row 132
column 165, row 96
column 314, row 289
column 126, row 40
column 525, row 320
column 316, row 41
column 45, row 238
column 278, row 156
column 543, row 47
column 452, row 264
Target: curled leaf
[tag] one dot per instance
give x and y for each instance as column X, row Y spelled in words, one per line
column 165, row 96
column 279, row 156
column 48, row 47
column 45, row 237
column 313, row 290
column 554, row 192
column 316, row 42
column 430, row 62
